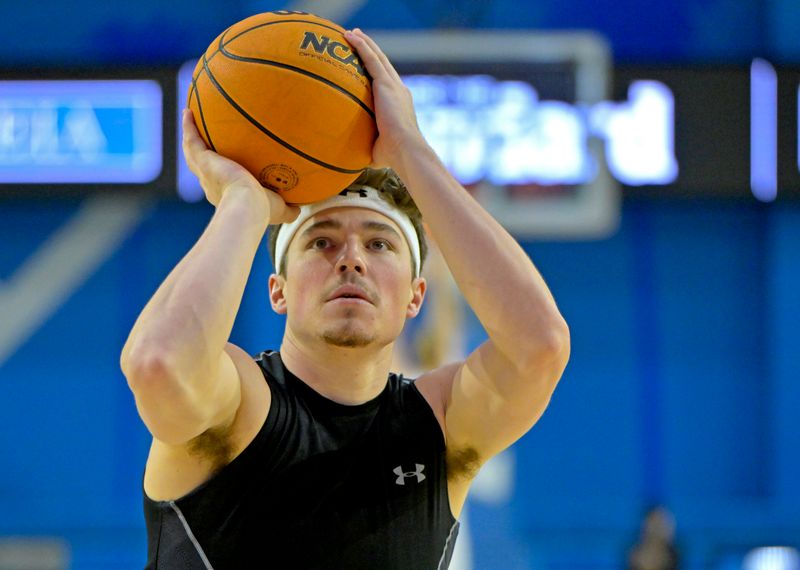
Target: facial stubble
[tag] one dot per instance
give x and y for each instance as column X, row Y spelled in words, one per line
column 346, row 335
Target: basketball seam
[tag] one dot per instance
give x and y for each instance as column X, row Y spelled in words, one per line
column 194, row 90
column 228, row 29
column 299, row 70
column 223, row 43
column 196, row 93
column 269, row 133
column 243, row 32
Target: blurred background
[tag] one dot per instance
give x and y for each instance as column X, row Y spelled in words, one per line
column 645, row 154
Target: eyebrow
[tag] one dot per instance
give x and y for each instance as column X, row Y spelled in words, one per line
column 336, row 225
column 321, row 225
column 381, row 227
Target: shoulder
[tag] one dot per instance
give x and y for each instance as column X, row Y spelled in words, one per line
column 174, row 470
column 255, row 401
column 268, row 362
column 435, row 387
column 462, row 461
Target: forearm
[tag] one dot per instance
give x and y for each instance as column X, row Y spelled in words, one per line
column 496, row 277
column 186, row 324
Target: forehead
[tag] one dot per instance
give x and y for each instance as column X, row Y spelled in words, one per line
column 347, row 219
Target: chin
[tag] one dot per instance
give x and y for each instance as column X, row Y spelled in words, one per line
column 348, row 339
column 347, row 334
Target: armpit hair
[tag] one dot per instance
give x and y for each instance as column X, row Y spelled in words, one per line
column 214, row 446
column 462, row 464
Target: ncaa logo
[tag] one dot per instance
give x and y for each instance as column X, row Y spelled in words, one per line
column 333, row 49
column 403, row 475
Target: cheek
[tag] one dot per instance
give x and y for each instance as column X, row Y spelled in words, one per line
column 304, row 284
column 398, row 285
column 399, row 295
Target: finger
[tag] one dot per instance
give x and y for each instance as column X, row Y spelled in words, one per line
column 382, row 57
column 292, row 212
column 372, row 61
column 282, row 213
column 192, row 143
column 373, row 46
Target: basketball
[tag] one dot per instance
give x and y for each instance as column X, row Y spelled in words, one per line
column 284, row 95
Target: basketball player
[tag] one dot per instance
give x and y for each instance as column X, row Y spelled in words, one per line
column 317, row 456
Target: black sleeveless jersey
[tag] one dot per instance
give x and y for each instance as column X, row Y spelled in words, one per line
column 322, row 485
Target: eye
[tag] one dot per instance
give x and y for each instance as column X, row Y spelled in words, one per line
column 380, row 245
column 319, row 243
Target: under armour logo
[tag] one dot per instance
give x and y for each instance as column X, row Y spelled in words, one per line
column 402, row 475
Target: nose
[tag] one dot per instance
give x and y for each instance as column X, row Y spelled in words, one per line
column 351, row 259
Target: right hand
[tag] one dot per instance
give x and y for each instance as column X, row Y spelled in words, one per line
column 217, row 173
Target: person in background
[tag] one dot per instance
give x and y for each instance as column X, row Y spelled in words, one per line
column 656, row 548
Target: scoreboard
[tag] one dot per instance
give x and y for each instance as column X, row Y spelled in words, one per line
column 541, row 127
column 73, row 131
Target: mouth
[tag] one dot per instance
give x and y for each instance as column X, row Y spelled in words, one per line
column 349, row 300
column 349, row 294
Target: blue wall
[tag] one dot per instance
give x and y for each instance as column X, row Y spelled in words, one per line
column 86, row 32
column 682, row 386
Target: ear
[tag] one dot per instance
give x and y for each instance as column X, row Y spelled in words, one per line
column 276, row 296
column 418, row 288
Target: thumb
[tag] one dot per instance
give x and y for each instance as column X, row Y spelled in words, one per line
column 292, row 212
column 286, row 214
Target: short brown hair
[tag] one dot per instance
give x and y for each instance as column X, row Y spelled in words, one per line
column 392, row 190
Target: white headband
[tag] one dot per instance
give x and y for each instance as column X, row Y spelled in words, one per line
column 352, row 197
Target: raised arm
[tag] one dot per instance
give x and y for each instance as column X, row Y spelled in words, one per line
column 177, row 362
column 503, row 387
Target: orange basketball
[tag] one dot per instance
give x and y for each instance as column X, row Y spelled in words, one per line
column 284, row 95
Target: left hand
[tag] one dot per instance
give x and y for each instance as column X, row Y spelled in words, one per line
column 394, row 108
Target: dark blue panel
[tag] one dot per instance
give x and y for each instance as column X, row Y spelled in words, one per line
column 78, row 444
column 784, row 393
column 25, row 225
column 257, row 326
column 710, row 276
column 390, row 15
column 83, row 32
column 782, row 23
column 580, row 464
column 152, row 32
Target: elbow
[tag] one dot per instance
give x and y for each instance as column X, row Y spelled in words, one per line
column 146, row 371
column 165, row 404
column 549, row 351
column 560, row 343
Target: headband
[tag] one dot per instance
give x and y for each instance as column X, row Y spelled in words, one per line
column 352, row 197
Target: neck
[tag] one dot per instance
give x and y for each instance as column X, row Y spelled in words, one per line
column 347, row 376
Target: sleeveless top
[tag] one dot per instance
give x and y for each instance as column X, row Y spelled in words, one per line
column 322, row 485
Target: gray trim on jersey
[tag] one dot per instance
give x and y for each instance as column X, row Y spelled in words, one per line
column 190, row 534
column 443, row 559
